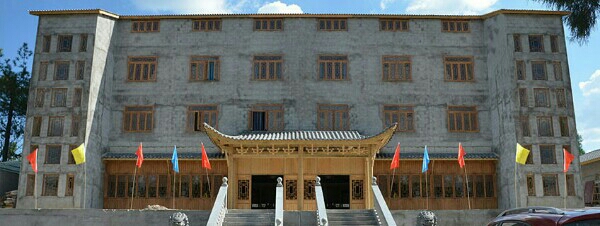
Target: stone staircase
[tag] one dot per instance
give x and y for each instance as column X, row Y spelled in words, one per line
column 351, row 217
column 248, row 217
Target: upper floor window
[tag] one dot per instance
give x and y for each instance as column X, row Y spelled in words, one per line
column 403, row 115
column 77, row 96
column 268, row 24
column 267, row 67
column 563, row 122
column 37, row 126
column 53, row 153
column 145, row 26
column 61, row 71
column 547, row 154
column 142, row 69
column 333, row 67
column 557, row 68
column 517, row 42
column 265, row 117
column 43, row 71
column 396, row 68
column 393, row 25
column 83, row 42
column 525, row 131
column 455, row 26
column 64, row 43
column 40, row 96
column 79, row 69
column 333, row 117
column 204, row 68
column 206, row 25
column 538, row 70
column 545, row 128
column 520, row 65
column 46, row 43
column 138, row 119
column 561, row 99
column 536, row 43
column 55, row 126
column 523, row 98
column 550, row 184
column 59, row 97
column 50, row 185
column 200, row 114
column 554, row 43
column 333, row 24
column 462, row 119
column 542, row 97
column 458, row 69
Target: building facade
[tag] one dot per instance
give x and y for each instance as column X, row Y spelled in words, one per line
column 300, row 96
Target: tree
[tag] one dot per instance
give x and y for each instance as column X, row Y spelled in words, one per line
column 579, row 140
column 14, row 90
column 582, row 18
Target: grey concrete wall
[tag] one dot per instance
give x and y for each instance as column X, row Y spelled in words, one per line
column 590, row 172
column 10, row 181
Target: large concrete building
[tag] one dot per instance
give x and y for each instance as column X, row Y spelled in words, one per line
column 300, row 95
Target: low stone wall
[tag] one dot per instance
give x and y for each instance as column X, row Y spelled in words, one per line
column 447, row 217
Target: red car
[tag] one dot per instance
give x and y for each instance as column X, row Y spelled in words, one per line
column 547, row 216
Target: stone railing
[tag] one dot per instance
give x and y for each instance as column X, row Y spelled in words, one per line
column 384, row 216
column 279, row 203
column 217, row 215
column 321, row 211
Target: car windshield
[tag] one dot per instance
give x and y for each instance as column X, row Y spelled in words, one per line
column 593, row 222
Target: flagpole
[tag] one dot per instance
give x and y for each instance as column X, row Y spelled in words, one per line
column 84, row 183
column 467, row 179
column 426, row 193
column 392, row 184
column 173, row 190
column 566, row 187
column 35, row 186
column 208, row 180
column 133, row 190
column 516, row 204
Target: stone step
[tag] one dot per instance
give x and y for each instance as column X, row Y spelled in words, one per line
column 239, row 217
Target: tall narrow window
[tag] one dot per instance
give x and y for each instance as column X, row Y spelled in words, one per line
column 517, row 42
column 561, row 99
column 437, row 186
column 523, row 99
column 396, row 68
column 77, row 97
column 206, row 25
column 50, row 185
column 142, row 69
column 455, row 26
column 83, row 42
column 520, row 65
column 333, row 67
column 46, row 39
column 529, row 160
column 40, row 95
column 545, row 126
column 547, row 154
column 268, row 24
column 536, row 43
column 538, row 70
column 459, row 187
column 59, row 97
column 70, row 185
column 462, row 119
column 265, row 117
column 554, row 43
column 564, row 126
column 141, row 186
column 550, row 183
column 138, row 119
column 458, row 69
column 70, row 159
column 75, row 126
column 55, row 127
column 525, row 131
column 557, row 68
column 53, row 153
column 30, row 184
column 79, row 70
column 267, row 68
column 145, row 26
column 393, row 25
column 152, row 186
column 37, row 126
column 200, row 114
column 61, row 71
column 415, row 181
column 43, row 71
column 570, row 185
column 542, row 97
column 448, row 186
column 64, row 43
column 530, row 185
column 204, row 68
column 403, row 115
column 333, row 117
column 332, row 24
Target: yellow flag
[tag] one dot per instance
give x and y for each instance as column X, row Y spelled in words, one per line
column 79, row 154
column 522, row 154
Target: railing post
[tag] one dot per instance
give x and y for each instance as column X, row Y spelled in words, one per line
column 217, row 214
column 384, row 216
column 321, row 210
column 279, row 202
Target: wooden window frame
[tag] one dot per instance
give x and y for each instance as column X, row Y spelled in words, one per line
column 343, row 62
column 557, row 69
column 518, row 47
column 401, row 25
column 51, row 126
column 130, row 111
column 541, row 91
column 64, row 38
column 45, row 178
column 400, row 64
column 335, row 115
column 450, row 76
column 561, row 97
column 556, row 187
column 198, row 75
column 136, row 28
column 259, row 64
column 269, row 110
column 540, row 49
column 70, row 184
column 133, row 62
column 83, row 38
column 544, row 69
column 43, row 71
column 520, row 71
column 75, row 125
column 563, row 122
column 36, row 127
column 554, row 44
column 453, row 26
column 55, row 93
column 472, row 114
column 539, row 121
column 523, row 97
column 406, row 111
column 46, row 43
column 57, row 65
column 40, row 97
column 209, row 25
column 268, row 24
column 547, row 149
column 342, row 24
column 79, row 70
column 525, row 126
column 59, row 153
column 201, row 111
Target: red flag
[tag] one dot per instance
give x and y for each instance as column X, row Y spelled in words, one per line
column 140, row 156
column 205, row 162
column 461, row 155
column 396, row 159
column 32, row 157
column 568, row 159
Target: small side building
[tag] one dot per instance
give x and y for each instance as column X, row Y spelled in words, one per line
column 590, row 176
column 9, row 175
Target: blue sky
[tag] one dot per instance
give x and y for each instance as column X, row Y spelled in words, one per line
column 17, row 26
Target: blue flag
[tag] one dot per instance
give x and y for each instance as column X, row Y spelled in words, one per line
column 174, row 160
column 425, row 161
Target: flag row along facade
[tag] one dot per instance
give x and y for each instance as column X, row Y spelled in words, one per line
column 298, row 96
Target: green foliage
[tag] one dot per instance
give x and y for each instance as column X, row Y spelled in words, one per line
column 579, row 140
column 582, row 18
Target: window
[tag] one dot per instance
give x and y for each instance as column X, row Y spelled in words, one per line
column 455, row 26
column 40, row 95
column 55, row 127
column 291, row 190
column 530, row 156
column 333, row 25
column 50, row 185
column 554, row 43
column 561, row 99
column 536, row 43
column 121, row 185
column 244, row 189
column 545, row 126
column 200, row 186
column 138, row 119
column 550, row 183
column 520, row 65
column 268, row 24
column 525, row 131
column 46, row 39
column 182, row 185
column 523, row 99
column 517, row 42
column 70, row 185
column 53, row 153
column 542, row 97
column 333, row 117
column 393, row 25
column 459, row 188
column 530, row 185
column 141, row 186
column 64, row 43
column 547, row 154
column 563, row 121
column 145, row 26
column 59, row 97
column 77, row 97
column 396, row 68
column 37, row 126
column 309, row 189
column 267, row 67
column 83, row 42
column 75, row 126
column 30, row 185
column 570, row 185
column 357, row 190
column 43, row 71
column 79, row 70
column 557, row 68
column 204, row 68
column 142, row 69
column 206, row 25
column 199, row 114
column 538, row 70
column 265, row 117
column 333, row 67
column 71, row 159
column 458, row 69
column 462, row 119
column 403, row 115
column 61, row 70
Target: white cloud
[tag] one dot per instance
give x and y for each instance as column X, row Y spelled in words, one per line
column 591, row 138
column 384, row 3
column 279, row 7
column 189, row 6
column 591, row 86
column 450, row 6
